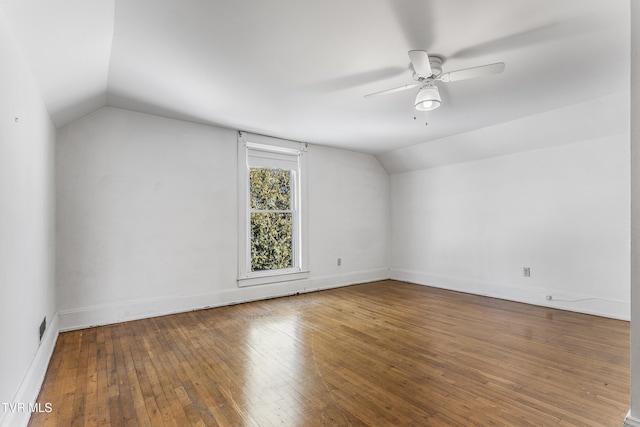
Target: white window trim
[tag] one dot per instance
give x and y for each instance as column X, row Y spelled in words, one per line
column 246, row 277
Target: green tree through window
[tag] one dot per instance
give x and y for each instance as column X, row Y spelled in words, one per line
column 271, row 219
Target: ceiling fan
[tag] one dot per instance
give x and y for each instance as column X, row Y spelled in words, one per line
column 427, row 69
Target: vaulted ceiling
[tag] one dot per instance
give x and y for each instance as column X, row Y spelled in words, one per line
column 299, row 69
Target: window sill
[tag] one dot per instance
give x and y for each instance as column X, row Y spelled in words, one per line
column 266, row 278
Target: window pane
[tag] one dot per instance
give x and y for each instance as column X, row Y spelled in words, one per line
column 271, row 241
column 270, row 189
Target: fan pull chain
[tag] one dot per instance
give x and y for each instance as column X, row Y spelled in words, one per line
column 416, row 118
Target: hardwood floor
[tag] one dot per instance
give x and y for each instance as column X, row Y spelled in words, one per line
column 384, row 353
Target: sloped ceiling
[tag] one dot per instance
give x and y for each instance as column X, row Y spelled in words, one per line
column 298, row 69
column 67, row 43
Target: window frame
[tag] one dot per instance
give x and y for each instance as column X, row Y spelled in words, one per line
column 251, row 143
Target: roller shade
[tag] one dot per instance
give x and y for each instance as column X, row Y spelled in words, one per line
column 261, row 156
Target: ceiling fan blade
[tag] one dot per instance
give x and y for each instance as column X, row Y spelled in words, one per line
column 555, row 32
column 394, row 90
column 473, row 72
column 355, row 79
column 420, row 62
column 415, row 20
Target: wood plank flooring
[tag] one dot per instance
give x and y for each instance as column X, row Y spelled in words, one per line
column 378, row 354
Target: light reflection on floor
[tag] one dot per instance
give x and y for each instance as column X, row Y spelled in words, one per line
column 273, row 361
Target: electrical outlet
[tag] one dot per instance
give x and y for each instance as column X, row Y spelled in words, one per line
column 526, row 271
column 339, row 262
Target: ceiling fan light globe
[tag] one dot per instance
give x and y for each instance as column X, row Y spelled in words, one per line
column 427, row 105
column 428, row 98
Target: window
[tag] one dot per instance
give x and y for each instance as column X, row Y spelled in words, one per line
column 272, row 218
column 271, row 182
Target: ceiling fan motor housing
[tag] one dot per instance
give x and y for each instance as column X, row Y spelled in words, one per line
column 436, row 64
column 436, row 68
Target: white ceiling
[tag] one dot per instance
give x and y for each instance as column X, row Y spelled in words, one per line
column 298, row 69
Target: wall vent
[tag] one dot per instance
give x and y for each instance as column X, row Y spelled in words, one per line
column 43, row 326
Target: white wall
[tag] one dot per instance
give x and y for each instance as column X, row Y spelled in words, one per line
column 147, row 218
column 146, row 209
column 563, row 212
column 633, row 417
column 348, row 214
column 27, row 291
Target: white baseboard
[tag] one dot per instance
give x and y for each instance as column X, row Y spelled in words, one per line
column 630, row 421
column 139, row 309
column 32, row 382
column 580, row 303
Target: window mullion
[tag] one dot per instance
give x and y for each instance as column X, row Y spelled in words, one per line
column 271, row 211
